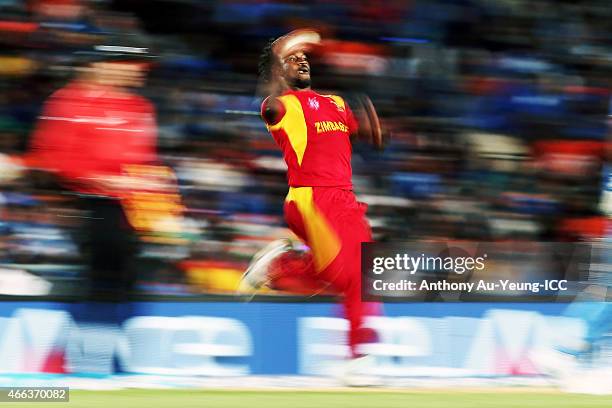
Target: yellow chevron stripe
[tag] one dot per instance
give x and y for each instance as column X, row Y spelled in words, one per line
column 323, row 240
column 294, row 125
column 339, row 101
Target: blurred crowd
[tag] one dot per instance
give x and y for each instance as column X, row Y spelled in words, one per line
column 496, row 117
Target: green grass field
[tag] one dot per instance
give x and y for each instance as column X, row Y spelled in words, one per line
column 329, row 399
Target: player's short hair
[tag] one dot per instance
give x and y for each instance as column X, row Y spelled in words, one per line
column 266, row 61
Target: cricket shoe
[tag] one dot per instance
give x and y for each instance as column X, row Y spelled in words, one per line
column 257, row 274
column 358, row 372
column 555, row 363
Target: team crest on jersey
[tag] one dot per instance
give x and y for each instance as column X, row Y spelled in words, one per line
column 313, row 103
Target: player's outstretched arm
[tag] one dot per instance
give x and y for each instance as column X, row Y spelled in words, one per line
column 369, row 129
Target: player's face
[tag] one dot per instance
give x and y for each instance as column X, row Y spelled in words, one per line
column 296, row 70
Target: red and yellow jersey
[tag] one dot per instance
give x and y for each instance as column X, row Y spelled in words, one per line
column 313, row 132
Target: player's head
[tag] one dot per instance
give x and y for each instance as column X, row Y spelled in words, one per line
column 295, row 70
column 284, row 64
column 266, row 64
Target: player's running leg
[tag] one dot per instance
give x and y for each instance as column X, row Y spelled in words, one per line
column 257, row 274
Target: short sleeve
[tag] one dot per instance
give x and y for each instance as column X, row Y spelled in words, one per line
column 281, row 110
column 352, row 123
